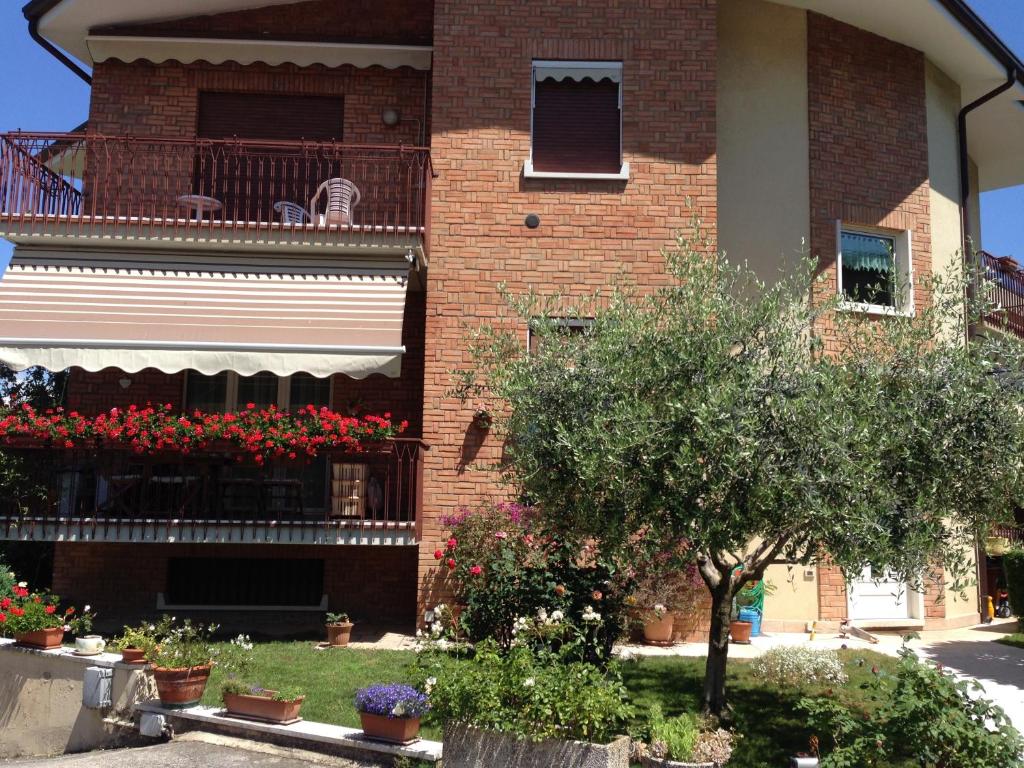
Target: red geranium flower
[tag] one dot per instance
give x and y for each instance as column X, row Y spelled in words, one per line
column 50, row 609
column 3, row 618
column 5, row 603
column 438, row 554
column 476, row 570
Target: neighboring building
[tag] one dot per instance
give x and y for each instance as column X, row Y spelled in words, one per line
column 169, row 252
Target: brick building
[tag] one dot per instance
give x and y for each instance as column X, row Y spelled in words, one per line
column 186, row 246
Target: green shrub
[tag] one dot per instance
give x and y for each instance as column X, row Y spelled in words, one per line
column 673, row 738
column 923, row 715
column 7, row 580
column 1013, row 567
column 534, row 694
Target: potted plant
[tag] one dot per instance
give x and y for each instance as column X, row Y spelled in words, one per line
column 34, row 619
column 339, row 629
column 134, row 643
column 80, row 625
column 391, row 712
column 683, row 742
column 663, row 588
column 181, row 665
column 272, row 706
column 658, row 627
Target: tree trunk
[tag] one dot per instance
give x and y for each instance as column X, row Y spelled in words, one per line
column 718, row 649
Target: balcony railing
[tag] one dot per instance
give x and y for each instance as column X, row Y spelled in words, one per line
column 1007, row 293
column 84, row 185
column 113, row 494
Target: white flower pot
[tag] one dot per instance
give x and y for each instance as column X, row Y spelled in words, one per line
column 90, row 645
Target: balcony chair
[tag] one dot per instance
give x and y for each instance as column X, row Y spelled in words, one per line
column 342, row 197
column 291, row 214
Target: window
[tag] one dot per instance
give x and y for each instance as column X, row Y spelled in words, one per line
column 874, row 270
column 249, row 582
column 228, row 391
column 574, row 326
column 576, row 122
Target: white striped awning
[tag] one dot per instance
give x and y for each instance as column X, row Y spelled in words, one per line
column 215, row 313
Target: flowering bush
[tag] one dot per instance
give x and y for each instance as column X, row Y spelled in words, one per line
column 798, row 665
column 528, row 692
column 80, row 624
column 665, row 582
column 259, row 432
column 8, row 581
column 392, row 700
column 144, row 637
column 26, row 611
column 507, row 571
column 184, row 647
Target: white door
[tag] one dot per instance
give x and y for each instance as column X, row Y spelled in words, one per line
column 871, row 597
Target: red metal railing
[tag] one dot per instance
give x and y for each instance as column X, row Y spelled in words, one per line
column 132, row 187
column 113, row 494
column 1006, row 293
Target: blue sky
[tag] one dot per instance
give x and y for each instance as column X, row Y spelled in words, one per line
column 40, row 94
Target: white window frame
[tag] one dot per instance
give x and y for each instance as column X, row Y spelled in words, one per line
column 903, row 253
column 601, row 69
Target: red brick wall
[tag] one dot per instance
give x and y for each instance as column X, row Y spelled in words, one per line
column 406, row 22
column 868, row 140
column 93, row 393
column 590, row 231
column 121, row 581
column 832, row 604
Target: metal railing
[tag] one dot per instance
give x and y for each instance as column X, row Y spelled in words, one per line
column 81, row 184
column 1006, row 293
column 113, row 494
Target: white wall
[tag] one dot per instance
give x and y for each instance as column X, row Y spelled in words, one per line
column 763, row 140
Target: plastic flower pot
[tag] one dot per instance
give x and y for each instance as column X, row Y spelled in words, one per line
column 659, row 631
column 43, row 639
column 339, row 634
column 133, row 656
column 263, row 707
column 394, row 730
column 181, row 688
column 740, row 631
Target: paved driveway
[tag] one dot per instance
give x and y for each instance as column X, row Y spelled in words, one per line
column 193, row 752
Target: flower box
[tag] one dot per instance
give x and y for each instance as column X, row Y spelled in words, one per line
column 393, row 730
column 468, row 747
column 659, row 762
column 43, row 639
column 181, row 688
column 263, row 707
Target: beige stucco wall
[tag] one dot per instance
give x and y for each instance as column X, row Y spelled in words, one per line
column 974, row 209
column 41, row 710
column 795, row 601
column 763, row 143
column 943, row 105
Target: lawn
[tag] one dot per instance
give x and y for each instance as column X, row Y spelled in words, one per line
column 772, row 727
column 1016, row 640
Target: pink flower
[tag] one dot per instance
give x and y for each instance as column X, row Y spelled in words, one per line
column 501, row 535
column 476, row 570
column 452, row 543
column 451, row 563
column 438, row 554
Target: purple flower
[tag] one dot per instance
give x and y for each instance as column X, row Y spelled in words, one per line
column 392, row 700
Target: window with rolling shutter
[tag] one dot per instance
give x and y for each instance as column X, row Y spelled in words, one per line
column 247, row 180
column 577, row 119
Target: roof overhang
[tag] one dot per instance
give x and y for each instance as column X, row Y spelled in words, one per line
column 953, row 38
column 67, row 24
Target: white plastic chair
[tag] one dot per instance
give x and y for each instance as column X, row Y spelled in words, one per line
column 291, row 213
column 342, row 197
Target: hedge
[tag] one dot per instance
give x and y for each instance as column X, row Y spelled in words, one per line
column 1013, row 567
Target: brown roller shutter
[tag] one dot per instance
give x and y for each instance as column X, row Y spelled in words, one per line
column 576, row 126
column 247, row 180
column 270, row 117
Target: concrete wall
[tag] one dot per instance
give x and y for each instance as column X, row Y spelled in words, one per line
column 943, row 105
column 763, row 173
column 41, row 710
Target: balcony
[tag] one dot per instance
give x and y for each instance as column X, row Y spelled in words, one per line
column 111, row 494
column 1007, row 293
column 109, row 190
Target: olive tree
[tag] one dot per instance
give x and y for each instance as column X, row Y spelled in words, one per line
column 758, row 425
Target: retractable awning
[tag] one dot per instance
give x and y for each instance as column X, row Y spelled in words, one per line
column 214, row 313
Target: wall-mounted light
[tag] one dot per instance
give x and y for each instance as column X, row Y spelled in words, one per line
column 124, row 382
column 391, row 117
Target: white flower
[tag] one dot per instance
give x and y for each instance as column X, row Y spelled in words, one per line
column 86, row 609
column 529, row 682
column 23, row 584
column 542, row 614
column 428, row 686
column 590, row 615
column 557, row 616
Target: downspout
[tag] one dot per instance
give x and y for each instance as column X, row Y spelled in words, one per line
column 965, row 161
column 33, row 30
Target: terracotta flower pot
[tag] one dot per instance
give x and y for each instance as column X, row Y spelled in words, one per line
column 338, row 635
column 263, row 707
column 133, row 656
column 740, row 631
column 659, row 631
column 43, row 639
column 180, row 688
column 394, row 730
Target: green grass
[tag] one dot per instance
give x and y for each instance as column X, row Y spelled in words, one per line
column 1016, row 640
column 772, row 727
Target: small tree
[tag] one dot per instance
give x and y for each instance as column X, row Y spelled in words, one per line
column 756, row 425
